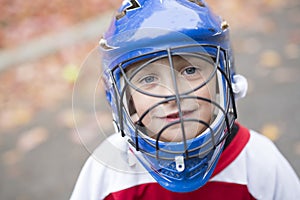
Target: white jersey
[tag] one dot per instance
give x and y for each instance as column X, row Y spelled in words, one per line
column 251, row 167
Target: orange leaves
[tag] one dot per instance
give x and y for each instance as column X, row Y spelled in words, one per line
column 292, row 51
column 23, row 20
column 32, row 138
column 248, row 15
column 271, row 131
column 14, row 117
column 270, row 59
column 70, row 73
column 28, row 141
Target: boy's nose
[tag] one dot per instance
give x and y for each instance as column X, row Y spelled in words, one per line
column 179, row 86
column 172, row 90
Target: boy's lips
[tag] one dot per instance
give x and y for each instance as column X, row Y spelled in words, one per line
column 175, row 116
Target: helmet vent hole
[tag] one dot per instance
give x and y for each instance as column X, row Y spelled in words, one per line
column 198, row 2
column 120, row 15
column 212, row 30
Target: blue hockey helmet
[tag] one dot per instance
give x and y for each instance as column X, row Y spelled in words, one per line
column 168, row 75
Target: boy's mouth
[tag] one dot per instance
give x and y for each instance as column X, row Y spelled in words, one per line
column 175, row 116
column 171, row 116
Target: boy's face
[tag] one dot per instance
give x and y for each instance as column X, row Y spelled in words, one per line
column 156, row 78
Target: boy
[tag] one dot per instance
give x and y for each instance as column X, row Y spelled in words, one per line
column 171, row 84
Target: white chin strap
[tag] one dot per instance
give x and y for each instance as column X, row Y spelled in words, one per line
column 239, row 86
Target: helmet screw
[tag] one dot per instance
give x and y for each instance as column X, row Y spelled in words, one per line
column 224, row 25
column 198, row 2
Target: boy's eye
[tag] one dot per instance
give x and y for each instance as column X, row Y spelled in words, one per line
column 188, row 71
column 148, row 79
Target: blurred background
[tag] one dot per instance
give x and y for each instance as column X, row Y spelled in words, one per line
column 52, row 109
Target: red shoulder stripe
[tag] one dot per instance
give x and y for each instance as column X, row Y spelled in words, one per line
column 233, row 149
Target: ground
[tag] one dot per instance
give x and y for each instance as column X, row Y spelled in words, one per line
column 52, row 109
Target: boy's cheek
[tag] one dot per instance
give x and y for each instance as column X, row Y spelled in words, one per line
column 143, row 102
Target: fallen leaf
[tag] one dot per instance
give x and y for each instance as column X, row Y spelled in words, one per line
column 270, row 59
column 11, row 160
column 31, row 139
column 14, row 117
column 11, row 157
column 271, row 131
column 70, row 73
column 292, row 51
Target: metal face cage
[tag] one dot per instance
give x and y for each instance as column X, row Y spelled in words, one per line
column 189, row 158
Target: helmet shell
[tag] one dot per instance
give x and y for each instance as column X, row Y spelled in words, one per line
column 157, row 25
column 146, row 28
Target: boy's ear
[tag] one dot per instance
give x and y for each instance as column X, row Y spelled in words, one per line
column 239, row 86
column 104, row 81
